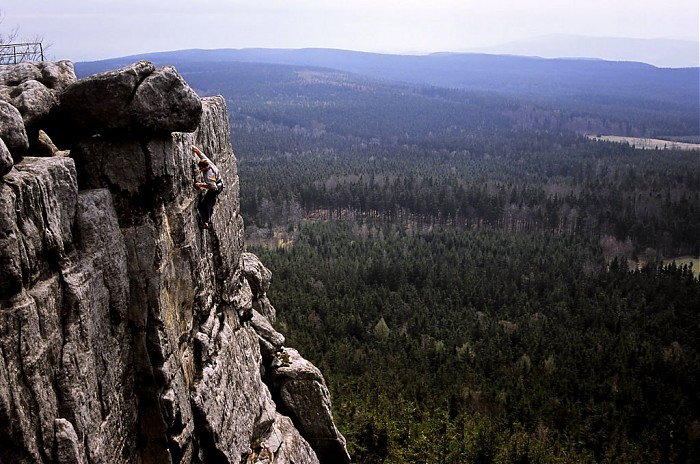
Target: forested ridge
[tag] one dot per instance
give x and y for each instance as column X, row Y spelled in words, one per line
column 461, row 264
column 332, row 145
column 620, row 87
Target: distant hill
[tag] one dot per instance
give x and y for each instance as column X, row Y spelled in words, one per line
column 658, row 52
column 525, row 76
column 656, row 101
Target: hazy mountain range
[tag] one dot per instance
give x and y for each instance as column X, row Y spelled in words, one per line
column 593, row 81
column 665, row 53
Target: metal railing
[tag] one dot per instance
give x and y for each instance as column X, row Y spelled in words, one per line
column 19, row 52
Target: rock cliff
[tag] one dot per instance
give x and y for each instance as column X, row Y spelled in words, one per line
column 127, row 334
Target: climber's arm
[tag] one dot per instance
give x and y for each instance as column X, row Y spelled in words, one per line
column 198, row 152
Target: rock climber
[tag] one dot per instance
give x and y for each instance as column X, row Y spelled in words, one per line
column 213, row 184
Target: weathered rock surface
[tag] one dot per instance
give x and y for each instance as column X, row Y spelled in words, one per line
column 257, row 274
column 65, row 364
column 124, row 333
column 34, row 242
column 12, row 129
column 137, row 98
column 6, row 161
column 55, row 75
column 304, row 395
column 33, row 87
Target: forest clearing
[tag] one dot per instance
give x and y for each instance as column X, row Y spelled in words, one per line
column 647, row 143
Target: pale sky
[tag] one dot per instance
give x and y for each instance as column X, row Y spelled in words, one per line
column 81, row 30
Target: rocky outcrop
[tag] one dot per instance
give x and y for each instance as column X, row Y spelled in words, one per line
column 34, row 87
column 12, row 130
column 6, row 161
column 137, row 98
column 33, row 90
column 127, row 334
column 302, row 393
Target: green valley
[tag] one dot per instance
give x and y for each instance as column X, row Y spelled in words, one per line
column 457, row 255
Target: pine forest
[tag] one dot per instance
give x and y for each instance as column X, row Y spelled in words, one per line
column 480, row 279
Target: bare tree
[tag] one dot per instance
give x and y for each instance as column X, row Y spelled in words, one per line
column 9, row 37
column 13, row 50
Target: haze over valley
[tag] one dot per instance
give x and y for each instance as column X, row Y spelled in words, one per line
column 479, row 221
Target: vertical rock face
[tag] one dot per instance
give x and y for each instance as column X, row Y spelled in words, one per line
column 127, row 334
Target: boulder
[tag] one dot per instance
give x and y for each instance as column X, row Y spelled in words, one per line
column 271, row 341
column 55, row 75
column 302, row 391
column 33, row 100
column 259, row 278
column 44, row 146
column 257, row 274
column 137, row 98
column 164, row 103
column 68, row 447
column 12, row 129
column 283, row 445
column 33, row 87
column 6, row 161
column 11, row 76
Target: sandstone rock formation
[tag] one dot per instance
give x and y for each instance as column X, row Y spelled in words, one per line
column 12, row 130
column 127, row 334
column 32, row 89
column 138, row 98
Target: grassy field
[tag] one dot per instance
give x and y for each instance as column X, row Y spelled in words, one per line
column 686, row 260
column 643, row 143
